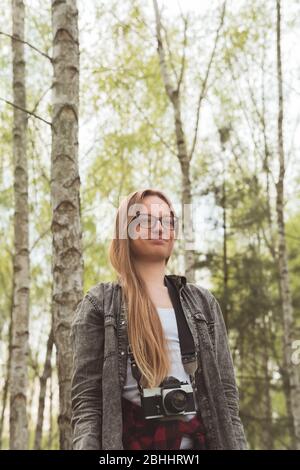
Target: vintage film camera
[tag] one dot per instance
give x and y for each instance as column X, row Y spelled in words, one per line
column 171, row 399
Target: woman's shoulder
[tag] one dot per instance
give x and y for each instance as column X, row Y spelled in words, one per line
column 202, row 292
column 98, row 292
column 91, row 306
column 204, row 299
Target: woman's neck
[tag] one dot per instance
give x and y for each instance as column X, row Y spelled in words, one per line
column 152, row 273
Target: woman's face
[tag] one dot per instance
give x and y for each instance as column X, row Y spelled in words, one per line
column 154, row 243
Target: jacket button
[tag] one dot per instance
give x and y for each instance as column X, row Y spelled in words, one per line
column 122, row 323
column 122, row 352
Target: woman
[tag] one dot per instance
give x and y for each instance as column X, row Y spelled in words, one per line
column 108, row 402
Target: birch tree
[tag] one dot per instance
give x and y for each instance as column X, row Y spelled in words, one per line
column 286, row 298
column 20, row 310
column 43, row 385
column 67, row 264
column 173, row 90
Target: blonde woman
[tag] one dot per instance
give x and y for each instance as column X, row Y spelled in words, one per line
column 132, row 385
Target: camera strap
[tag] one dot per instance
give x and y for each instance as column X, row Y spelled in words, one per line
column 186, row 340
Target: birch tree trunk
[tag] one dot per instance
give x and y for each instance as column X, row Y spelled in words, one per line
column 67, row 263
column 184, row 156
column 43, row 386
column 267, row 431
column 173, row 94
column 286, row 299
column 224, row 134
column 50, row 434
column 6, row 383
column 18, row 433
column 272, row 247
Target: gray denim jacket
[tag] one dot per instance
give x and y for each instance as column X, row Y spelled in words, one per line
column 99, row 342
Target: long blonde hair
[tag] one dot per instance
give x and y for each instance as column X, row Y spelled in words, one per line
column 145, row 332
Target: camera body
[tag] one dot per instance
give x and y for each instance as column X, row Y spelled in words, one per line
column 172, row 400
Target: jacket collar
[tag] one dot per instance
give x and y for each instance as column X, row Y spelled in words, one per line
column 179, row 280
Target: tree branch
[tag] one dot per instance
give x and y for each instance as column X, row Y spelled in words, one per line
column 26, row 111
column 204, row 84
column 16, row 38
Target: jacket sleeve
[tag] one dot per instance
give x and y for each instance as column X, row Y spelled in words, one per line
column 227, row 373
column 87, row 339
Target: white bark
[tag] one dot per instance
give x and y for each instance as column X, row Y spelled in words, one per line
column 293, row 370
column 67, row 264
column 184, row 156
column 43, row 386
column 20, row 311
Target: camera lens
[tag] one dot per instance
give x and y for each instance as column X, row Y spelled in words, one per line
column 175, row 401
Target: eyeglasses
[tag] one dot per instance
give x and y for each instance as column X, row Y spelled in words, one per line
column 169, row 222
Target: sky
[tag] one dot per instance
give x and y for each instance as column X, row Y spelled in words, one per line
column 174, row 6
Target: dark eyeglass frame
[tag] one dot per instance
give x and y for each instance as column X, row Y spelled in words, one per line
column 162, row 219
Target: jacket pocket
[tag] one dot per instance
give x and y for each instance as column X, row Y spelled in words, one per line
column 206, row 329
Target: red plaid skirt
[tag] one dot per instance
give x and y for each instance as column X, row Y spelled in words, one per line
column 140, row 433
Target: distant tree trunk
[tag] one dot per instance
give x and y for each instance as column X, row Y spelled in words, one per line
column 224, row 134
column 43, row 386
column 6, row 383
column 67, row 263
column 173, row 94
column 50, row 434
column 257, row 413
column 267, row 431
column 225, row 257
column 271, row 244
column 286, row 299
column 184, row 156
column 18, row 435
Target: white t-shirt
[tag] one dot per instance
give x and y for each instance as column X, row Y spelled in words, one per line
column 169, row 324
